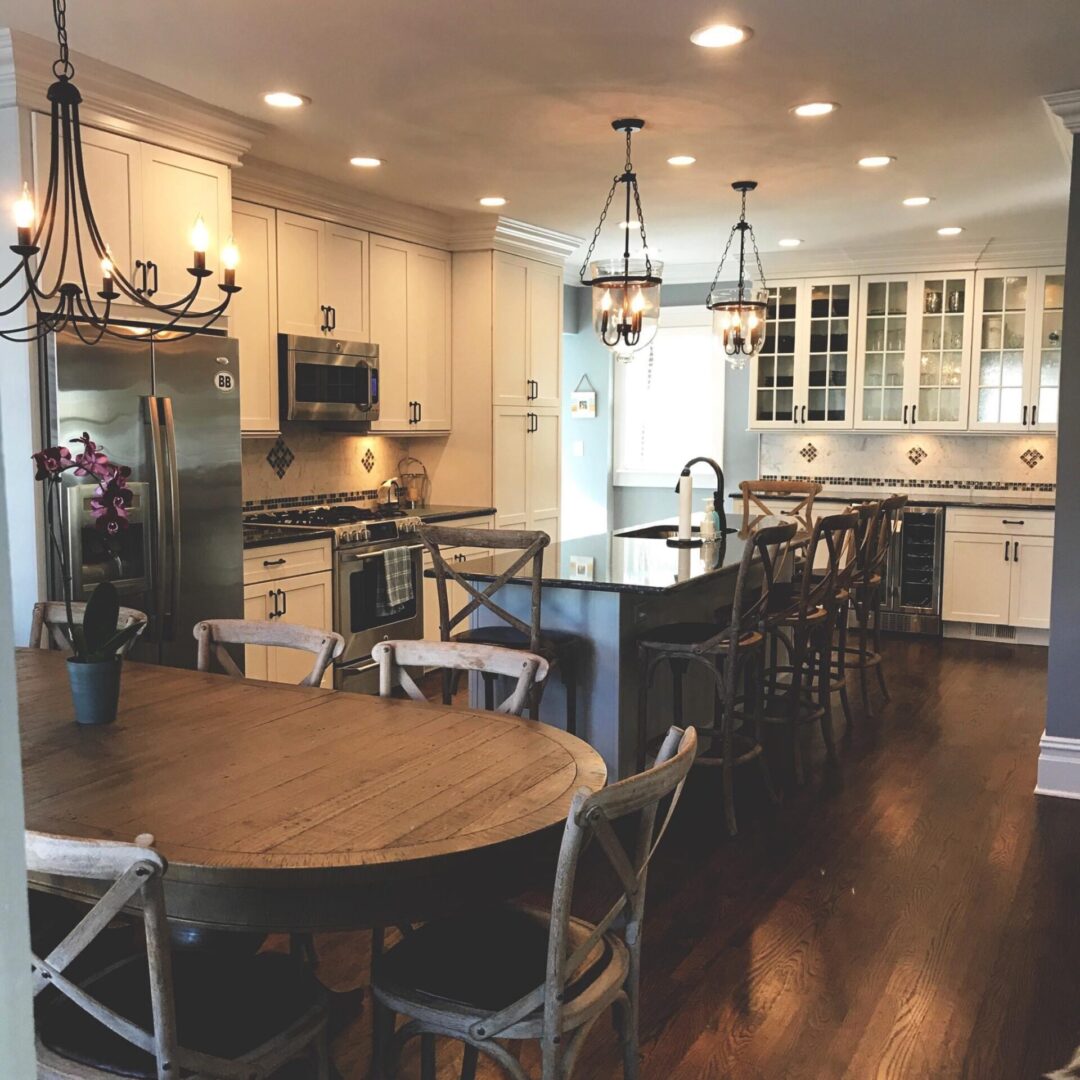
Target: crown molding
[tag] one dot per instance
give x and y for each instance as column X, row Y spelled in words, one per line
column 487, row 232
column 127, row 104
column 1063, row 111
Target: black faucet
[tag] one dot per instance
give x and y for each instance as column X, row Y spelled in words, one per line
column 718, row 494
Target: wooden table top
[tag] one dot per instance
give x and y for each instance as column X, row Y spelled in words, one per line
column 232, row 775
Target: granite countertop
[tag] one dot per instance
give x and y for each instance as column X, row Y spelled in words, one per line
column 452, row 513
column 256, row 536
column 618, row 563
column 978, row 499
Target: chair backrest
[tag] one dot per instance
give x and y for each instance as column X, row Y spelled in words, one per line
column 592, row 816
column 888, row 522
column 820, row 583
column 531, row 547
column 766, row 549
column 213, row 635
column 395, row 656
column 50, row 618
column 862, row 544
column 755, row 491
column 135, row 874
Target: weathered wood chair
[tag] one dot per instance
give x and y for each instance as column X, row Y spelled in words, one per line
column 559, row 647
column 731, row 650
column 239, row 1017
column 394, row 657
column 803, row 621
column 213, row 635
column 50, row 616
column 755, row 491
column 519, row 973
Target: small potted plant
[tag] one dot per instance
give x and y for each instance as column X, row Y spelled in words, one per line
column 97, row 644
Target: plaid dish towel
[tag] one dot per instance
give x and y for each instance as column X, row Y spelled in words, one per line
column 395, row 589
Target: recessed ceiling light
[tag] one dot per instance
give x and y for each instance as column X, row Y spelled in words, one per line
column 365, row 162
column 876, row 161
column 789, row 241
column 815, row 108
column 918, row 200
column 285, row 99
column 681, row 159
column 721, row 35
column 492, row 200
column 950, row 230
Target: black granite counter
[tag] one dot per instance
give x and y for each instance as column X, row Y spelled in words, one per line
column 256, row 536
column 435, row 514
column 976, row 499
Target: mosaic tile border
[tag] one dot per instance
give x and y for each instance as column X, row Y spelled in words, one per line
column 887, row 481
column 325, row 499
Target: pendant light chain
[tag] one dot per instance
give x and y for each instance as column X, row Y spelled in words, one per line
column 599, row 227
column 740, row 226
column 62, row 68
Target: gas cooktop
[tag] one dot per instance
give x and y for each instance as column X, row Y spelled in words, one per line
column 352, row 525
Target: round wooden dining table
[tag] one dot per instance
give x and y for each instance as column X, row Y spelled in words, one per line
column 299, row 809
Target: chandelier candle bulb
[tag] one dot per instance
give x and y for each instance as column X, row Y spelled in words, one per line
column 230, row 256
column 24, row 216
column 200, row 240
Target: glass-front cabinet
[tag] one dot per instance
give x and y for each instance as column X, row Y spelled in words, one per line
column 802, row 377
column 914, row 337
column 1016, row 362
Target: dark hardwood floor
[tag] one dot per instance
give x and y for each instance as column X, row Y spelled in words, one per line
column 914, row 913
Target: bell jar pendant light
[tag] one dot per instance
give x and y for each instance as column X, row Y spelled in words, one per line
column 739, row 312
column 626, row 289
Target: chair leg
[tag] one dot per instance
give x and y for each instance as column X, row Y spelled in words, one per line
column 569, row 678
column 447, row 686
column 643, row 709
column 489, row 691
column 726, row 698
column 825, row 698
column 864, row 648
column 678, row 672
column 427, row 1056
column 626, row 1025
column 841, row 667
column 877, row 646
column 468, row 1062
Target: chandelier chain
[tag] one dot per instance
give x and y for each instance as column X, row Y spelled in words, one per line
column 599, row 227
column 641, row 229
column 741, row 224
column 62, row 68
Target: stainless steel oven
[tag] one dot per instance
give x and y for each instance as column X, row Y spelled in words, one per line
column 357, row 616
column 326, row 381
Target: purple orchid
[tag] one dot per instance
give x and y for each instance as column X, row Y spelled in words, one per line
column 52, row 461
column 110, row 501
column 90, row 461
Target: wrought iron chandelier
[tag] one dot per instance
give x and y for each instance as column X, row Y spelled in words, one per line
column 51, row 248
column 739, row 312
column 625, row 290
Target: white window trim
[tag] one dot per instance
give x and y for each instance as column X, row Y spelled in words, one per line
column 699, row 316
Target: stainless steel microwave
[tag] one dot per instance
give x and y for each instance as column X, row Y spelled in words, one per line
column 328, row 381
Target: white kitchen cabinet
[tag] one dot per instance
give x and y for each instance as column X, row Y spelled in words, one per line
column 410, row 322
column 1016, row 362
column 1032, row 573
column 322, row 278
column 526, row 469
column 527, row 332
column 804, row 374
column 146, row 199
column 914, row 342
column 253, row 317
column 977, row 578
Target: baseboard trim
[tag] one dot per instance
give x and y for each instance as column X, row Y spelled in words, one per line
column 1059, row 767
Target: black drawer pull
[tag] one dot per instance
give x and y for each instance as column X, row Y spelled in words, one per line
column 274, row 562
column 1012, row 521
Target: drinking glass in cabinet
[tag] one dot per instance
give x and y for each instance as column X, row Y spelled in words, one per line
column 1016, row 293
column 875, row 335
column 897, row 297
column 933, row 297
column 991, row 332
column 875, row 298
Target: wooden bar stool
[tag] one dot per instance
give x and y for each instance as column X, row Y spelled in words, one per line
column 559, row 647
column 868, row 589
column 755, row 491
column 803, row 620
column 731, row 649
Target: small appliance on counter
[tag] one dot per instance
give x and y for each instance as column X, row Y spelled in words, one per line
column 414, row 480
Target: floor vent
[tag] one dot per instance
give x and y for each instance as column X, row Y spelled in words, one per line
column 995, row 631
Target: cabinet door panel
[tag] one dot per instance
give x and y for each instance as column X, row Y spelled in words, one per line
column 825, row 369
column 510, row 467
column 257, row 608
column 113, row 167
column 977, row 578
column 545, row 333
column 253, row 317
column 1032, row 571
column 429, row 336
column 510, row 330
column 300, row 262
column 943, row 349
column 345, row 281
column 542, row 484
column 776, row 391
column 887, row 325
column 177, row 189
column 1046, row 354
column 390, row 329
column 308, row 601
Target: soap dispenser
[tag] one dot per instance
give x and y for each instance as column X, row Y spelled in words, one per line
column 710, row 521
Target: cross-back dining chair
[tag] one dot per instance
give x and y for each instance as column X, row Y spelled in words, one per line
column 239, row 1017
column 50, row 617
column 559, row 647
column 212, row 635
column 755, row 509
column 395, row 657
column 517, row 973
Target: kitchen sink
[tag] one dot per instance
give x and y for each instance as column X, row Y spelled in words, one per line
column 662, row 532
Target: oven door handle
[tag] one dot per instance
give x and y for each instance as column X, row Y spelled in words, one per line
column 374, row 554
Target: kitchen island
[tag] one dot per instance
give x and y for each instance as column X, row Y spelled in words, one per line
column 608, row 589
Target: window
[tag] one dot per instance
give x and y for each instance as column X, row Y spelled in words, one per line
column 669, row 401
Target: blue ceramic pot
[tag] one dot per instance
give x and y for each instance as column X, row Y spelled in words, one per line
column 95, row 689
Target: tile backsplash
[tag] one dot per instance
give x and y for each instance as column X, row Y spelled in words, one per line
column 317, row 465
column 916, row 459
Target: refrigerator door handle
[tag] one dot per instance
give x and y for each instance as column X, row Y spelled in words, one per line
column 153, row 418
column 174, row 518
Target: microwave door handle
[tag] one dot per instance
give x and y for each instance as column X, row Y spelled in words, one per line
column 174, row 516
column 157, row 565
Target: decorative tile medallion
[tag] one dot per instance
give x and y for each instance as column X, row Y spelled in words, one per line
column 368, row 459
column 1031, row 457
column 280, row 457
column 916, row 455
column 808, row 452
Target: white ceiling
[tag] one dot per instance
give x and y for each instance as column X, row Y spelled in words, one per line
column 464, row 98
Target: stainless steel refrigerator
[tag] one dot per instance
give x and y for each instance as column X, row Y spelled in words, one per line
column 169, row 409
